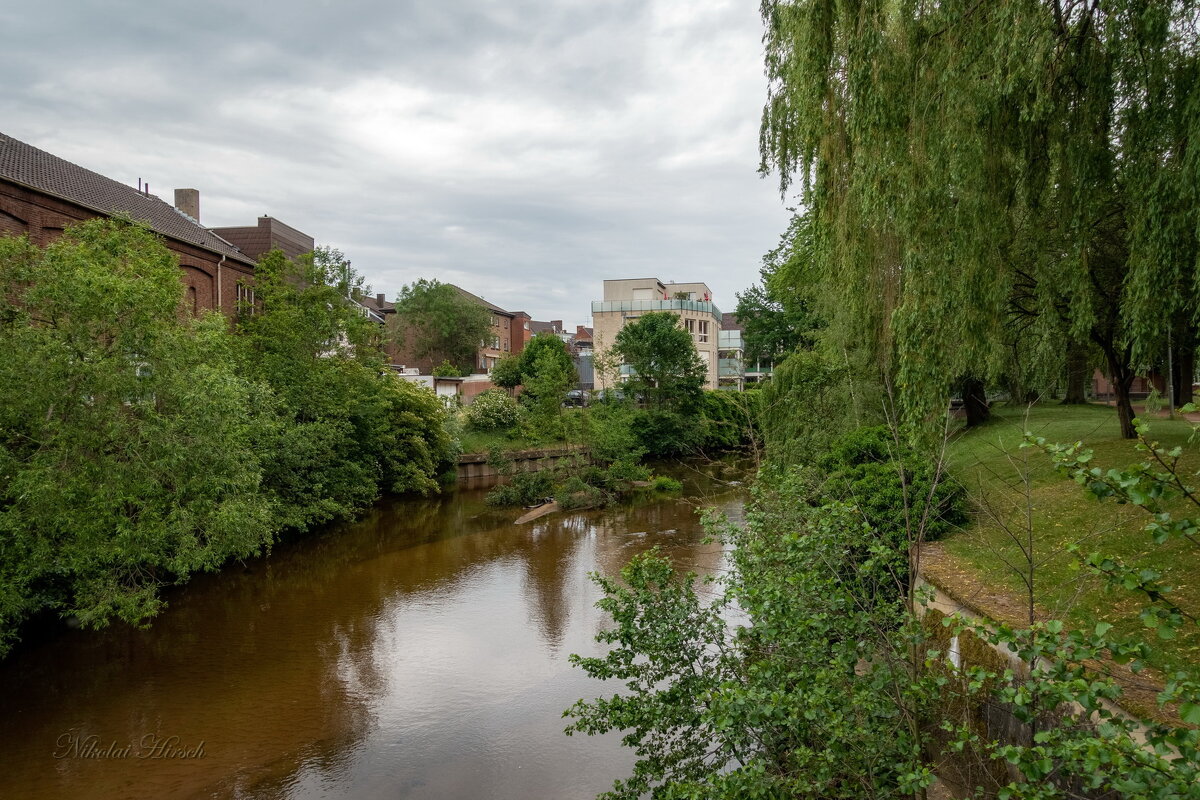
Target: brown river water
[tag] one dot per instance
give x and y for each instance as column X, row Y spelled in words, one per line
column 418, row 653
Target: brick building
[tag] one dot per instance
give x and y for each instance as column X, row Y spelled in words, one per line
column 508, row 334
column 40, row 194
column 258, row 240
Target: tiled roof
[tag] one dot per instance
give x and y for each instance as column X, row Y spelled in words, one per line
column 483, row 302
column 542, row 327
column 371, row 302
column 38, row 170
column 729, row 322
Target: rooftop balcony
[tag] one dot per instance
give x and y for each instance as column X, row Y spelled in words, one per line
column 627, row 306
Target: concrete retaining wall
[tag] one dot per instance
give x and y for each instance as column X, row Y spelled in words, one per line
column 475, row 471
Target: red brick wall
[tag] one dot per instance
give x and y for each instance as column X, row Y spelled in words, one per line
column 43, row 217
column 469, row 390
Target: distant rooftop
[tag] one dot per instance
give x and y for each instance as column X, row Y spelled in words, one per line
column 483, row 302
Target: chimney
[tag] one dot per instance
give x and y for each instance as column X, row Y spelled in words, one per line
column 557, row 325
column 379, row 299
column 188, row 201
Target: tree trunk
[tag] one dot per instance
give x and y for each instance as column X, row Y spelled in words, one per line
column 975, row 402
column 1184, row 365
column 1120, row 374
column 1077, row 374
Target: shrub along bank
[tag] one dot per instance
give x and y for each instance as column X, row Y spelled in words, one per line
column 815, row 672
column 139, row 444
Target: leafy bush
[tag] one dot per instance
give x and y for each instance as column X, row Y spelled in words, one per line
column 730, row 418
column 575, row 493
column 803, row 408
column 808, row 694
column 891, row 484
column 493, row 410
column 664, row 434
column 625, row 470
column 446, row 370
column 525, row 488
column 663, row 483
column 607, row 430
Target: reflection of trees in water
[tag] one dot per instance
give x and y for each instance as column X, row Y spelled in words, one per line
column 277, row 663
column 549, row 565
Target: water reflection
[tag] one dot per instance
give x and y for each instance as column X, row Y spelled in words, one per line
column 420, row 652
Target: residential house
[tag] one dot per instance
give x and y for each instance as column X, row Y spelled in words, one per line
column 40, row 194
column 506, row 335
column 628, row 299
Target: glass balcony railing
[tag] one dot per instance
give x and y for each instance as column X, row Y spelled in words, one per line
column 729, row 367
column 729, row 340
column 604, row 307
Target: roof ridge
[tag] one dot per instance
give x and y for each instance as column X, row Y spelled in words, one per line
column 25, row 165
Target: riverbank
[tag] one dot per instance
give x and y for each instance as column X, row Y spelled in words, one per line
column 1026, row 516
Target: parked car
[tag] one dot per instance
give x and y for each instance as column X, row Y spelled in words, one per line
column 576, row 398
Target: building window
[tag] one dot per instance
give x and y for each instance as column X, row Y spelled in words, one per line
column 702, row 332
column 245, row 298
column 690, row 325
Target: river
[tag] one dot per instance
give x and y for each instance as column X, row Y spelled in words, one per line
column 420, row 652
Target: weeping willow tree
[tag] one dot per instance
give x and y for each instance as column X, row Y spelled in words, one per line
column 992, row 177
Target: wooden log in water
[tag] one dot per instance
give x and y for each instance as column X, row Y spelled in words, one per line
column 540, row 511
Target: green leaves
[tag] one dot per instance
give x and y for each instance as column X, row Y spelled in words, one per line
column 436, row 320
column 666, row 369
column 976, row 208
column 139, row 446
column 794, row 695
column 125, row 431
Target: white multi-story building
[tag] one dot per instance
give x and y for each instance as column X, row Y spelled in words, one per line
column 627, row 299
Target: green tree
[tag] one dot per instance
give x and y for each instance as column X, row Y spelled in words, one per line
column 347, row 427
column 516, row 369
column 666, row 368
column 507, row 372
column 803, row 408
column 446, row 370
column 126, row 433
column 968, row 195
column 812, row 694
column 776, row 314
column 549, row 378
column 436, row 320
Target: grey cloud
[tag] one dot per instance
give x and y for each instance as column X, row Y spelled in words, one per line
column 525, row 149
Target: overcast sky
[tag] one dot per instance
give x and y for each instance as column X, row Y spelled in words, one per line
column 523, row 149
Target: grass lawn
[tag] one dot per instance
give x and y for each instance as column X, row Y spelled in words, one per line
column 991, row 465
